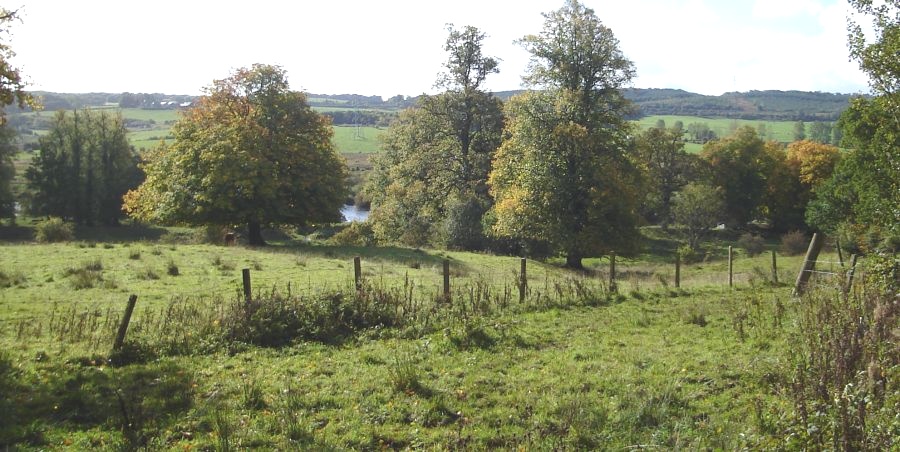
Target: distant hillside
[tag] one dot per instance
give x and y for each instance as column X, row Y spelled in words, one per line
column 766, row 105
column 763, row 105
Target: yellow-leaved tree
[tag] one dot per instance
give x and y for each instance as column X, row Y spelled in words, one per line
column 250, row 152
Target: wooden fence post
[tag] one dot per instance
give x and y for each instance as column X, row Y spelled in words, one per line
column 850, row 272
column 774, row 269
column 837, row 244
column 809, row 264
column 447, row 279
column 523, row 280
column 677, row 270
column 357, row 273
column 612, row 273
column 248, row 291
column 123, row 327
column 730, row 266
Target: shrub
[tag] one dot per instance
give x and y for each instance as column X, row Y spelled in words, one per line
column 687, row 254
column 754, row 245
column 54, row 230
column 356, row 234
column 172, row 268
column 794, row 243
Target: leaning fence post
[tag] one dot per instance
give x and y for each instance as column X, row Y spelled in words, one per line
column 730, row 266
column 774, row 268
column 523, row 280
column 248, row 292
column 357, row 273
column 123, row 327
column 677, row 270
column 447, row 279
column 612, row 272
column 809, row 264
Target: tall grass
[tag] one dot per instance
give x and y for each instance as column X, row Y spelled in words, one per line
column 845, row 364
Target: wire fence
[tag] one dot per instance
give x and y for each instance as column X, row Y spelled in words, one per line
column 420, row 283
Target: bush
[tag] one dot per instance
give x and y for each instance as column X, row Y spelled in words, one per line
column 687, row 254
column 54, row 230
column 754, row 245
column 794, row 243
column 356, row 234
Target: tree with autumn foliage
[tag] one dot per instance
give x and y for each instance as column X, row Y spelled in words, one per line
column 429, row 186
column 251, row 152
column 12, row 91
column 562, row 175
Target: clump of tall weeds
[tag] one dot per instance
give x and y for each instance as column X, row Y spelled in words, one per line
column 845, row 362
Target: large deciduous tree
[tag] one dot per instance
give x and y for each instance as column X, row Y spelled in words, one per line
column 740, row 165
column 863, row 193
column 250, row 152
column 84, row 168
column 430, row 183
column 697, row 208
column 12, row 91
column 668, row 167
column 562, row 175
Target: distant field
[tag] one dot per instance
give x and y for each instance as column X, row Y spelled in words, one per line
column 349, row 139
column 160, row 116
column 327, row 109
column 782, row 131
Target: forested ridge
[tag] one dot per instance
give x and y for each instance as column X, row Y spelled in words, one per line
column 768, row 104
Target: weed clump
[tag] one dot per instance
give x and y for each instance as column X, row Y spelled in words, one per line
column 753, row 245
column 86, row 276
column 54, row 230
column 793, row 243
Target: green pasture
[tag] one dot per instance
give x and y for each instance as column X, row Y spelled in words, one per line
column 782, row 131
column 573, row 366
column 351, row 139
column 159, row 116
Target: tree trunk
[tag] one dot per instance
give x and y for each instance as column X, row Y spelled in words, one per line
column 573, row 260
column 254, row 233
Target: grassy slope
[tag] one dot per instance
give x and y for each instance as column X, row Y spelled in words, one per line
column 655, row 367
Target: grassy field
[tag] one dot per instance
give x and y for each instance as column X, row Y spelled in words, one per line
column 355, row 140
column 782, row 131
column 394, row 365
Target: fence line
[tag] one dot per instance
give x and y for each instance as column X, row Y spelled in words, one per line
column 424, row 280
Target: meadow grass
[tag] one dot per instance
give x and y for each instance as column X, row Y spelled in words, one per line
column 574, row 366
column 351, row 139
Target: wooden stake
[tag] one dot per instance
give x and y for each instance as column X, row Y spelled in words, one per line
column 809, row 264
column 248, row 291
column 523, row 280
column 357, row 273
column 730, row 266
column 612, row 273
column 123, row 327
column 774, row 269
column 850, row 273
column 447, row 279
column 677, row 270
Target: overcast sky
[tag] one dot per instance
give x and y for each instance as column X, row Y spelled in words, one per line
column 390, row 47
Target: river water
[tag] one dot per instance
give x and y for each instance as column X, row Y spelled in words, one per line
column 353, row 213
